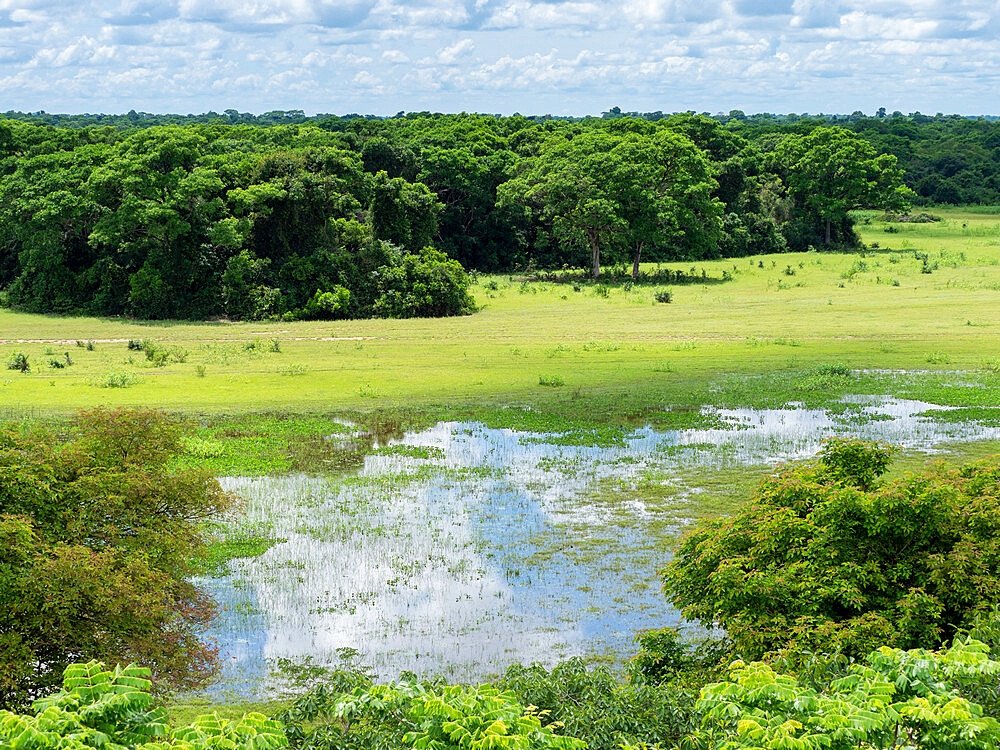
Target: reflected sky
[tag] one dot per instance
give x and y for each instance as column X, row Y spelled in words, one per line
column 497, row 549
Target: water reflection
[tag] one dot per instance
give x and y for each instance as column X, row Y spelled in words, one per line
column 496, row 548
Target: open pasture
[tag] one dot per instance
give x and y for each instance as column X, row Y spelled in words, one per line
column 927, row 298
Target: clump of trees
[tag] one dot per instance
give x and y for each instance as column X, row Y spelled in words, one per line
column 337, row 219
column 98, row 539
column 175, row 222
column 825, row 557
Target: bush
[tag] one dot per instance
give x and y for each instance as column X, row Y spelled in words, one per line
column 112, row 709
column 18, row 361
column 597, row 706
column 351, row 712
column 823, row 557
column 664, row 296
column 904, row 699
column 427, row 285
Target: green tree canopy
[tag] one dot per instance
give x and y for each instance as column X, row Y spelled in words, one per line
column 97, row 539
column 824, row 557
column 831, row 171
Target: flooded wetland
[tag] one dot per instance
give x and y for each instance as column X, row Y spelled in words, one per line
column 461, row 548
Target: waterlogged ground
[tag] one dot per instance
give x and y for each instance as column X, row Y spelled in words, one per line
column 461, row 549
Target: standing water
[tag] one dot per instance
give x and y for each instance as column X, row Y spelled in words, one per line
column 461, row 549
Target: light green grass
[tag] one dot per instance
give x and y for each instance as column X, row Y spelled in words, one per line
column 763, row 320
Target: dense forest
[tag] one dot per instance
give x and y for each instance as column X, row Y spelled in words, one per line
column 281, row 215
column 946, row 158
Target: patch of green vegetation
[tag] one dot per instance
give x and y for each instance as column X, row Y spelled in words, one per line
column 262, row 444
column 987, row 416
column 236, row 542
column 689, row 419
column 183, row 712
column 423, row 452
column 606, row 436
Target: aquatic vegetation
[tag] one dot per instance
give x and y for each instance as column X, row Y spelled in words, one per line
column 448, row 540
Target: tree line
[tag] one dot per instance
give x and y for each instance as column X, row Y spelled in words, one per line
column 360, row 217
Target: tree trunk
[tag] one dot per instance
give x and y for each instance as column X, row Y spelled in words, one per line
column 595, row 251
column 635, row 263
column 827, row 231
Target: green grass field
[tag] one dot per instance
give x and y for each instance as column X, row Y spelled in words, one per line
column 777, row 313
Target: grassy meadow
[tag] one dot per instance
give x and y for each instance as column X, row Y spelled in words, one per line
column 926, row 298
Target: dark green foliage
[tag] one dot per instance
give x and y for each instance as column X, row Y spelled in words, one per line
column 200, row 221
column 426, row 285
column 599, row 707
column 829, row 172
column 247, row 217
column 97, row 538
column 18, row 361
column 824, row 557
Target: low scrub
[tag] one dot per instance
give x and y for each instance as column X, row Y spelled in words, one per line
column 112, row 709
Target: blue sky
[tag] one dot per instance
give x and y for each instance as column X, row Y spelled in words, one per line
column 529, row 56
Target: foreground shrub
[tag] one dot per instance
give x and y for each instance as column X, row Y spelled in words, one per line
column 351, row 712
column 112, row 710
column 97, row 543
column 823, row 557
column 600, row 707
column 895, row 699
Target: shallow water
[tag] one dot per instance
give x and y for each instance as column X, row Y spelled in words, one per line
column 500, row 548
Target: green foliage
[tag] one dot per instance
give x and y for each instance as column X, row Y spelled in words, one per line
column 426, row 285
column 18, row 361
column 904, row 699
column 195, row 222
column 597, row 706
column 106, row 709
column 98, row 538
column 326, row 305
column 602, row 189
column 831, row 171
column 354, row 713
column 825, row 558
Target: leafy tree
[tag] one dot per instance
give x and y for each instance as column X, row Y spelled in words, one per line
column 824, row 557
column 831, row 171
column 663, row 187
column 404, row 213
column 97, row 539
column 603, row 187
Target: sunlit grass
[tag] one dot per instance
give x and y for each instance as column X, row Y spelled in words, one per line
column 879, row 310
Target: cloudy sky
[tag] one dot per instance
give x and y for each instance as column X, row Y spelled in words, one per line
column 529, row 56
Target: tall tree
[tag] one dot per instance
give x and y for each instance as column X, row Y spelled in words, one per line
column 618, row 189
column 831, row 171
column 97, row 538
